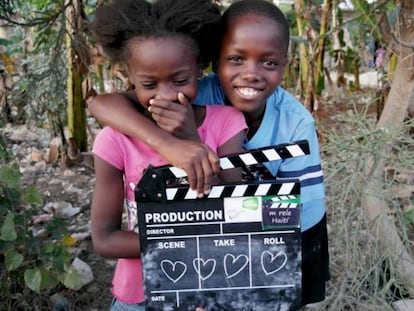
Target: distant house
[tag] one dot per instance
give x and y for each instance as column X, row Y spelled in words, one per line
column 347, row 5
column 279, row 2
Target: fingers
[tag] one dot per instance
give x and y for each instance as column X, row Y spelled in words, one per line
column 211, row 168
column 192, row 178
column 159, row 105
column 214, row 161
column 199, row 178
column 164, row 109
column 182, row 99
column 198, row 161
column 206, row 170
column 199, row 175
column 176, row 118
column 164, row 112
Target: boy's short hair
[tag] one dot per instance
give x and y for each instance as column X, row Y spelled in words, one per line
column 259, row 7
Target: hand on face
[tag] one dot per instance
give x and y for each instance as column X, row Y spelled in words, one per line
column 200, row 162
column 175, row 118
column 161, row 80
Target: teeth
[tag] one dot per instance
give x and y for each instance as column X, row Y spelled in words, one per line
column 248, row 91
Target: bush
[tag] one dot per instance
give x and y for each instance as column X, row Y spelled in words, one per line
column 30, row 261
column 364, row 275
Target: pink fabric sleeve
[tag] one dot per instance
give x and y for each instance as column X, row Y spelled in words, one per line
column 221, row 124
column 107, row 147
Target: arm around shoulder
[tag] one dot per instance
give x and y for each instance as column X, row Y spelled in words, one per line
column 114, row 109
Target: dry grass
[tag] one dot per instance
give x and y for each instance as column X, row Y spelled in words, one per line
column 363, row 276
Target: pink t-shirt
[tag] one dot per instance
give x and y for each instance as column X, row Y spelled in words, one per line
column 132, row 156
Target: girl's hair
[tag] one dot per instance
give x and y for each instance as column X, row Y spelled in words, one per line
column 257, row 7
column 115, row 24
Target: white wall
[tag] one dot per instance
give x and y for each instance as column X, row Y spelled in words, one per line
column 279, row 2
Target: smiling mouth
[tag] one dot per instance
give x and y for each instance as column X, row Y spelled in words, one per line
column 247, row 91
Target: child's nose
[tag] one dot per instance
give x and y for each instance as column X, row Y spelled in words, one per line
column 166, row 92
column 250, row 72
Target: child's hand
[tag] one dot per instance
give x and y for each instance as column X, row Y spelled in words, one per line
column 175, row 118
column 199, row 162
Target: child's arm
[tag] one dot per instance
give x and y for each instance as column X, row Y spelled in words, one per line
column 233, row 145
column 109, row 240
column 199, row 161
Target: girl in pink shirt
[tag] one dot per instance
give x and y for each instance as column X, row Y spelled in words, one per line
column 160, row 45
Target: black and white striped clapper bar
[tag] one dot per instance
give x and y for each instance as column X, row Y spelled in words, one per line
column 238, row 248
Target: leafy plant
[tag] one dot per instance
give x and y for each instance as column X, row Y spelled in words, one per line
column 408, row 217
column 30, row 260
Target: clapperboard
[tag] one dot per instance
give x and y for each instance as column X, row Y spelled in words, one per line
column 239, row 248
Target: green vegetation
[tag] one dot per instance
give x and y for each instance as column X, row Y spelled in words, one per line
column 37, row 262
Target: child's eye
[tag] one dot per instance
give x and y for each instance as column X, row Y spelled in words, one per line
column 148, row 85
column 181, row 81
column 236, row 59
column 270, row 63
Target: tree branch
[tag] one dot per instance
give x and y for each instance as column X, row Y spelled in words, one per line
column 9, row 16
